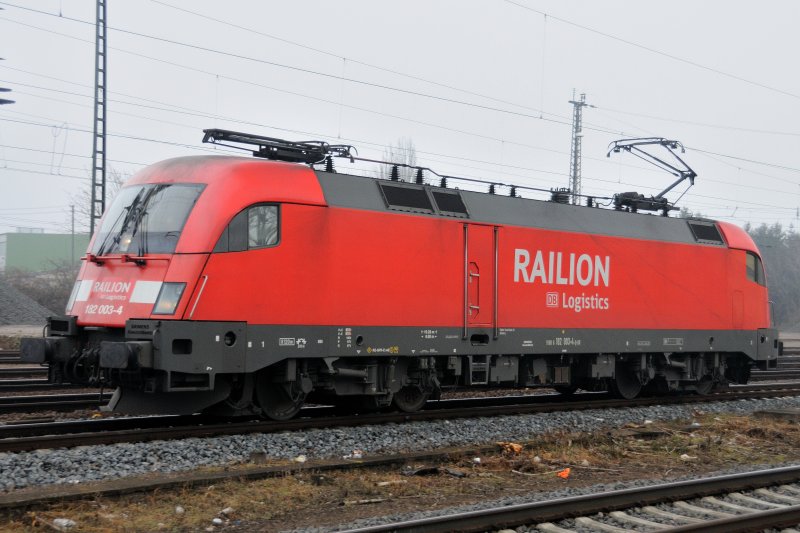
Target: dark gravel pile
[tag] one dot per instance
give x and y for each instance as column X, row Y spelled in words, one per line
column 18, row 309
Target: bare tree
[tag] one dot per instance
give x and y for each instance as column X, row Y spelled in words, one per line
column 403, row 152
column 685, row 212
column 50, row 288
column 82, row 198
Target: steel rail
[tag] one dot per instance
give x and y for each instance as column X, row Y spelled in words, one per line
column 10, row 356
column 553, row 510
column 26, row 371
column 41, row 436
column 787, row 517
column 59, row 402
column 30, row 385
column 22, row 382
column 767, row 375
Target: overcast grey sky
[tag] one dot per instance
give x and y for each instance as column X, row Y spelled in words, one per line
column 482, row 88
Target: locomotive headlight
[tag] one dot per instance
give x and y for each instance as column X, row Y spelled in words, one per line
column 168, row 298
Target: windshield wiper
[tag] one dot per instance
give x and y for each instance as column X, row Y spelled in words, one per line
column 103, row 244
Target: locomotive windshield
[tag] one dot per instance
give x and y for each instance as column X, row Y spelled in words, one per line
column 146, row 219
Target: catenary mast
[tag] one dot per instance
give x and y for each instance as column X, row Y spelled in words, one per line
column 575, row 151
column 99, row 138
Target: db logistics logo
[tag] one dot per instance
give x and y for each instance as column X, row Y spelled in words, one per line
column 552, row 299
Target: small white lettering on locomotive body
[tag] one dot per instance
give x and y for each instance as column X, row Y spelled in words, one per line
column 560, row 269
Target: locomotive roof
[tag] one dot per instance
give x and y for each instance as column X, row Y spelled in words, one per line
column 240, row 181
column 357, row 192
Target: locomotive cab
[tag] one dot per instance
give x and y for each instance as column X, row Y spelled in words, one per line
column 132, row 318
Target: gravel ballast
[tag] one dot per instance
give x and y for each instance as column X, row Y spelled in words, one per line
column 92, row 463
column 542, row 496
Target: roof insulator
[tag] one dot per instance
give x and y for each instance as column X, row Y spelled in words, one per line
column 443, row 183
column 395, row 173
column 491, row 188
column 513, row 193
column 329, row 164
column 419, row 179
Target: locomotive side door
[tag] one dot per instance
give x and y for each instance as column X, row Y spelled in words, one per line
column 480, row 277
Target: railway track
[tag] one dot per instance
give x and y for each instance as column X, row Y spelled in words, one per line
column 18, row 376
column 9, row 356
column 752, row 501
column 53, row 402
column 788, row 367
column 26, row 437
column 33, row 385
column 20, row 371
column 721, row 504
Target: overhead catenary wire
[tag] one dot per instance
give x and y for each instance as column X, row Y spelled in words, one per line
column 301, row 69
column 656, row 51
column 462, row 177
column 206, row 115
column 126, row 136
column 488, row 162
column 590, row 128
column 700, row 124
column 357, row 61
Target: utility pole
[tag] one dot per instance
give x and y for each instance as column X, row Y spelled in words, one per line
column 99, row 137
column 575, row 151
column 5, row 90
column 5, row 100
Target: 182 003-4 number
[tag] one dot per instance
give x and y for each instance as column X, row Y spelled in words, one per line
column 94, row 309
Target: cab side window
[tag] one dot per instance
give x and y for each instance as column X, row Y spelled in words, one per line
column 755, row 269
column 262, row 226
column 258, row 226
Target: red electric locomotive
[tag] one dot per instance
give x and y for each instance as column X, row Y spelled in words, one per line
column 239, row 285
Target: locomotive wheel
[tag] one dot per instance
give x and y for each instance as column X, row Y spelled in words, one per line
column 410, row 398
column 626, row 383
column 279, row 400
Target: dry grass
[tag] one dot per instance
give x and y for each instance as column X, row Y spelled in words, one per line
column 9, row 343
column 316, row 498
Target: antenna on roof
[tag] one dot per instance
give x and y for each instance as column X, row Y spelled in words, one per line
column 635, row 201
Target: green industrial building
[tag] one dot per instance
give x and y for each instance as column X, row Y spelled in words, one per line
column 38, row 252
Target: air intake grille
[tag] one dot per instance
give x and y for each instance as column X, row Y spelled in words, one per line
column 406, row 198
column 706, row 232
column 449, row 202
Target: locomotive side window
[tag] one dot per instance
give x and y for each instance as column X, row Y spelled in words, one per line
column 262, row 226
column 755, row 269
column 257, row 226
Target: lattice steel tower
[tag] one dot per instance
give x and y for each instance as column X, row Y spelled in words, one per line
column 575, row 152
column 99, row 137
